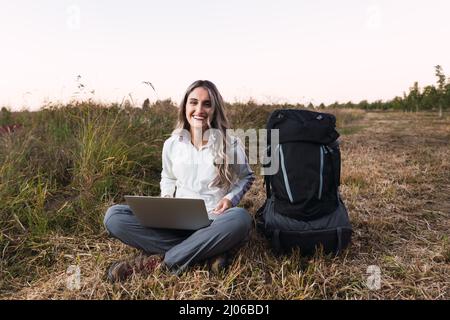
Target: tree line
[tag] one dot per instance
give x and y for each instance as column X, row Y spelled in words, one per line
column 431, row 97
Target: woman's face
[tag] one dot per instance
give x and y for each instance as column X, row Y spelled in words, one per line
column 198, row 108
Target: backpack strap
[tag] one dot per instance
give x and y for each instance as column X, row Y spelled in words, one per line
column 267, row 177
column 276, row 240
column 268, row 188
column 339, row 239
column 334, row 169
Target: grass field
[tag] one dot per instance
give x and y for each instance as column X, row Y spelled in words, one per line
column 60, row 172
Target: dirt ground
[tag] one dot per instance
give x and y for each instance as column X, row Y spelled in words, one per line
column 396, row 185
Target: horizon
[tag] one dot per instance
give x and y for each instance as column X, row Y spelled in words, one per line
column 284, row 52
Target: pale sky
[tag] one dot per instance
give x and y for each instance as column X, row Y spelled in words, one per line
column 272, row 51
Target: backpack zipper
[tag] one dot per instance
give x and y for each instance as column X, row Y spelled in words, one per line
column 322, row 151
column 286, row 182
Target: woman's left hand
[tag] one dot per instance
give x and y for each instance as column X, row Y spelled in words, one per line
column 223, row 205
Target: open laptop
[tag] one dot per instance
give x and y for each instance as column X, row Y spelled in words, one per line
column 169, row 213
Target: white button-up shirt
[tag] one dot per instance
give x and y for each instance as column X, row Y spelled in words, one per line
column 189, row 171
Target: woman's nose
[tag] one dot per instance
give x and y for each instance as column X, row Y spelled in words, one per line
column 199, row 108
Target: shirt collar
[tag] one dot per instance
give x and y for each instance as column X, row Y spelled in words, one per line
column 185, row 137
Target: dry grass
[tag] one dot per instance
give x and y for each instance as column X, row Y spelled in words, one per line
column 396, row 184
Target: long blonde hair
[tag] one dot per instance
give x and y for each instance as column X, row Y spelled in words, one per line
column 225, row 173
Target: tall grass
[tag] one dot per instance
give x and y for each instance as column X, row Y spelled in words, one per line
column 67, row 164
column 60, row 172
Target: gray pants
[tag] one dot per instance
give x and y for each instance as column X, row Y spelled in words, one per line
column 181, row 248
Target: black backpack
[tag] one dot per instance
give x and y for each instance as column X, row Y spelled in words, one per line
column 303, row 207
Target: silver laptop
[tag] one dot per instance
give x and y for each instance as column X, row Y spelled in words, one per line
column 169, row 213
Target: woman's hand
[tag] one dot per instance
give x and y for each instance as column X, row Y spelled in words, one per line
column 223, row 205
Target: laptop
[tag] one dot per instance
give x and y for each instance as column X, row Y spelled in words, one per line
column 169, row 213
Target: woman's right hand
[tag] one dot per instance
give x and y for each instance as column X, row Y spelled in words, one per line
column 222, row 206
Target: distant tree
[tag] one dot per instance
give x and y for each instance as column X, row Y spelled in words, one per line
column 414, row 96
column 164, row 103
column 334, row 105
column 441, row 87
column 447, row 94
column 146, row 105
column 404, row 102
column 378, row 105
column 397, row 103
column 364, row 105
column 5, row 116
column 348, row 105
column 429, row 97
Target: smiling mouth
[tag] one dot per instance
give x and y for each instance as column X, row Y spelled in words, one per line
column 199, row 118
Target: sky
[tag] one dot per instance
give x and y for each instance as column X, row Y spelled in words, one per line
column 270, row 51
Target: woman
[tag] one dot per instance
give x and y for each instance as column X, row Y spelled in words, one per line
column 199, row 160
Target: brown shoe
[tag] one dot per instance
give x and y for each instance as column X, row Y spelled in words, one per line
column 119, row 271
column 143, row 264
column 219, row 263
